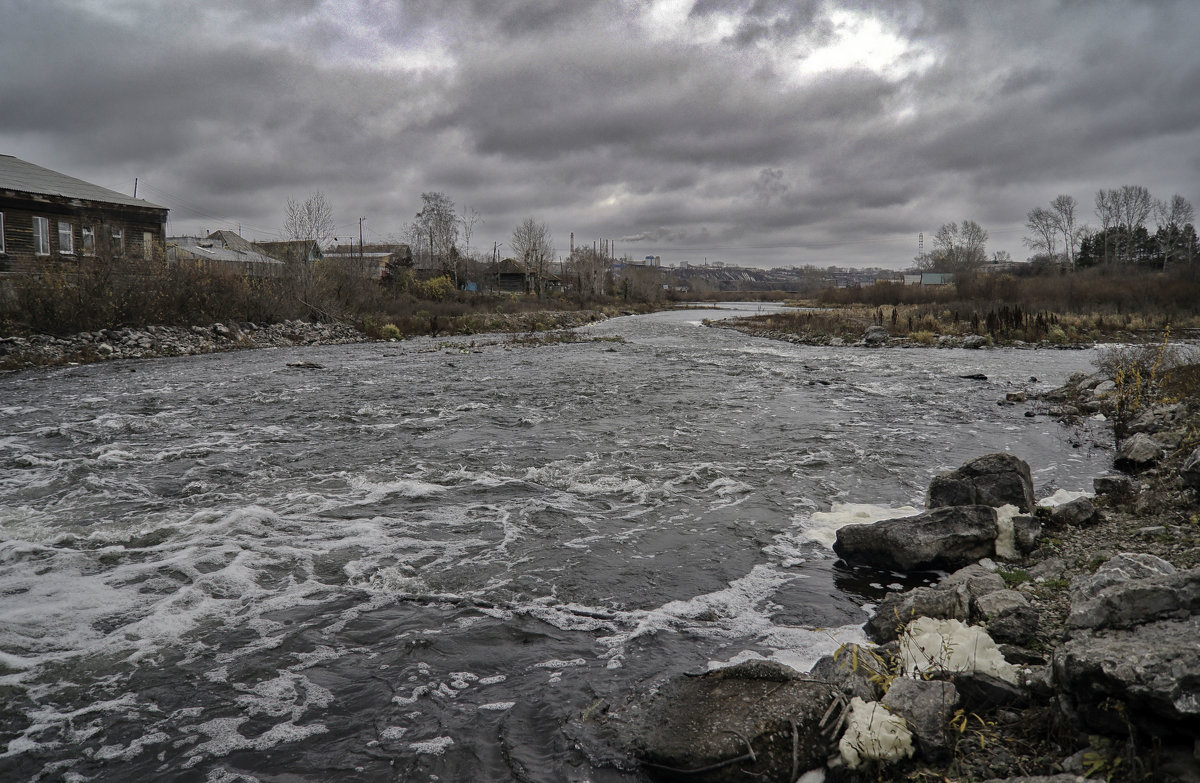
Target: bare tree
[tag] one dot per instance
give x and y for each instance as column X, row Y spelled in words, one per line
column 590, row 270
column 960, row 248
column 1043, row 224
column 1171, row 217
column 1134, row 206
column 1064, row 207
column 532, row 244
column 435, row 230
column 468, row 221
column 1108, row 211
column 311, row 220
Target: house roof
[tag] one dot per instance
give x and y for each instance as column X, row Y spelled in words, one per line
column 212, row 249
column 299, row 249
column 25, row 177
column 233, row 240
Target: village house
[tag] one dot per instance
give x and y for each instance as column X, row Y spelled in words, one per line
column 225, row 249
column 45, row 216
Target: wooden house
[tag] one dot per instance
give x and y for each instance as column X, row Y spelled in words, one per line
column 47, row 216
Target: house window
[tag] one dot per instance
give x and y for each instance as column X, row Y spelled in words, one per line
column 66, row 238
column 89, row 240
column 118, row 241
column 41, row 236
column 147, row 245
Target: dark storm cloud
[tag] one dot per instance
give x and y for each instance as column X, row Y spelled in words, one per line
column 771, row 130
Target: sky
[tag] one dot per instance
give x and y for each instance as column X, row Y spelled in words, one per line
column 752, row 132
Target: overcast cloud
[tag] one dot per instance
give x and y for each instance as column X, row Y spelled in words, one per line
column 759, row 132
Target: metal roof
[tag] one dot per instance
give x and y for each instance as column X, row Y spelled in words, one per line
column 25, row 177
column 209, row 248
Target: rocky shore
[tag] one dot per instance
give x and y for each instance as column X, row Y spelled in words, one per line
column 1062, row 643
column 20, row 352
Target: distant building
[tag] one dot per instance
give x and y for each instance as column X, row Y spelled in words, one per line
column 378, row 261
column 937, row 278
column 294, row 251
column 224, row 249
column 45, row 215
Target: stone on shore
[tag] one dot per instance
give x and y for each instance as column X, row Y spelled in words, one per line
column 927, row 706
column 876, row 335
column 1138, row 452
column 1080, row 512
column 703, row 728
column 942, row 538
column 1133, row 643
column 991, row 480
column 1189, row 474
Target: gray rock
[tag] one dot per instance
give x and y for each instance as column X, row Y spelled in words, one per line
column 1115, row 486
column 1124, row 567
column 997, row 603
column 876, row 335
column 705, row 723
column 941, row 538
column 1190, row 472
column 1050, row 568
column 855, row 671
column 974, row 341
column 976, row 578
column 1017, row 396
column 926, row 705
column 1027, row 531
column 990, row 480
column 1103, row 389
column 1154, row 670
column 1133, row 602
column 898, row 609
column 1080, row 512
column 1137, row 452
column 979, row 692
column 1008, row 616
column 1158, row 418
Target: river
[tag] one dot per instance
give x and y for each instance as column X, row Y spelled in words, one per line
column 423, row 560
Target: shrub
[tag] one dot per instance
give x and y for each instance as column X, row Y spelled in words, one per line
column 923, row 338
column 390, row 332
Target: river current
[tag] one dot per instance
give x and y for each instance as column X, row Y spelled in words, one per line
column 425, row 560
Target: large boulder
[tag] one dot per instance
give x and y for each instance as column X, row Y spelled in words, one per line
column 1138, row 452
column 1138, row 601
column 1125, row 567
column 756, row 720
column 876, row 335
column 1148, row 675
column 942, row 538
column 1133, row 654
column 991, row 480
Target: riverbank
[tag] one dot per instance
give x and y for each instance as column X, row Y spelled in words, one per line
column 1062, row 650
column 41, row 350
column 911, row 326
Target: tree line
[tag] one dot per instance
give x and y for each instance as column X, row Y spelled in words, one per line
column 439, row 237
column 1123, row 237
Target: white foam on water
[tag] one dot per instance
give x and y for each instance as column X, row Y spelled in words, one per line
column 224, row 737
column 1062, row 497
column 498, row 706
column 1006, row 543
column 433, row 747
column 822, row 526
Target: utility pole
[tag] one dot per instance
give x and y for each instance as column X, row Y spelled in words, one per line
column 360, row 238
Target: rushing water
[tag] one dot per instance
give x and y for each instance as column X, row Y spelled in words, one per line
column 421, row 560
